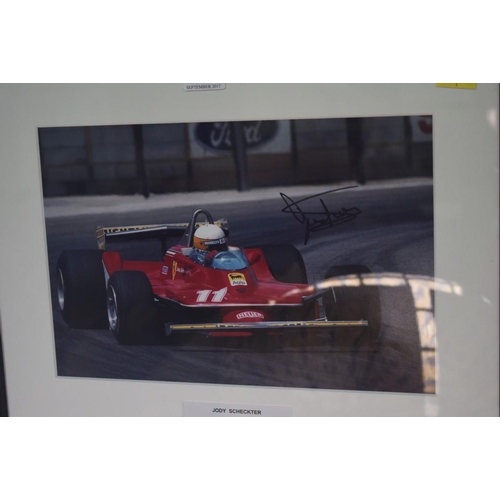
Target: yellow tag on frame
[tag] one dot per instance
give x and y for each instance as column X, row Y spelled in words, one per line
column 469, row 86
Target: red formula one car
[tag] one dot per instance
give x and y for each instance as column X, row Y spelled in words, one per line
column 203, row 285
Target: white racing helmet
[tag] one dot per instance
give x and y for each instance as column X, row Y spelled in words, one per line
column 209, row 237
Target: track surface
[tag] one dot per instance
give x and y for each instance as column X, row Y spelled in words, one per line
column 394, row 234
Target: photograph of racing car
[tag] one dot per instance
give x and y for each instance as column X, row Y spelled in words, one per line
column 204, row 285
column 278, row 253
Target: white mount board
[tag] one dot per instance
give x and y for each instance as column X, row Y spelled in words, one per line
column 466, row 191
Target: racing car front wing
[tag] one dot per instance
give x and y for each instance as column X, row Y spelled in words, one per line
column 269, row 325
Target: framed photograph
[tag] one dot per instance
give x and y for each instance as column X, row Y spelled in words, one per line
column 300, row 254
column 316, row 254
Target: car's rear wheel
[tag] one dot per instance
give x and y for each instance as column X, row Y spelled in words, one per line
column 132, row 315
column 81, row 289
column 353, row 301
column 285, row 263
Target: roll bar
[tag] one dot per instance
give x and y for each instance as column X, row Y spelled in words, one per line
column 188, row 236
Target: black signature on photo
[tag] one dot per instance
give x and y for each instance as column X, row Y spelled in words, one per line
column 328, row 219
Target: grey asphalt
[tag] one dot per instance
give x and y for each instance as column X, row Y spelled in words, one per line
column 394, row 234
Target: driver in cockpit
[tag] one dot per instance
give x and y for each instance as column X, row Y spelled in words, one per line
column 207, row 241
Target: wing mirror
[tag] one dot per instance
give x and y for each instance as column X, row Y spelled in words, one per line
column 253, row 256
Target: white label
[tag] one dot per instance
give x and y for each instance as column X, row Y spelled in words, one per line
column 197, row 87
column 250, row 314
column 208, row 409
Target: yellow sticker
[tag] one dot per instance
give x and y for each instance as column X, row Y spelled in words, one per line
column 237, row 279
column 470, row 86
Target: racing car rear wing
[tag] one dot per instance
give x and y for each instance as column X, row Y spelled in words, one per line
column 154, row 231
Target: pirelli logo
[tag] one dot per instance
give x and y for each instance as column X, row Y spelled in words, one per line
column 237, row 279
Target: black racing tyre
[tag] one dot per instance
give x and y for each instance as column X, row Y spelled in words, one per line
column 133, row 317
column 81, row 289
column 348, row 303
column 285, row 263
column 287, row 266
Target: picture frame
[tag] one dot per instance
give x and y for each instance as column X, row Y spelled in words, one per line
column 466, row 241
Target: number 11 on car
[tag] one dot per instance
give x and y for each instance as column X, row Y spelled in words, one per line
column 217, row 295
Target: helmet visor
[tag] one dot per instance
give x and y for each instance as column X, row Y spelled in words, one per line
column 220, row 244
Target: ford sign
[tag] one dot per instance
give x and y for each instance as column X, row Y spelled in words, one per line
column 217, row 136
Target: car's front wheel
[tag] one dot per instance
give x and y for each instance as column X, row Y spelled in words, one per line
column 132, row 315
column 351, row 299
column 286, row 264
